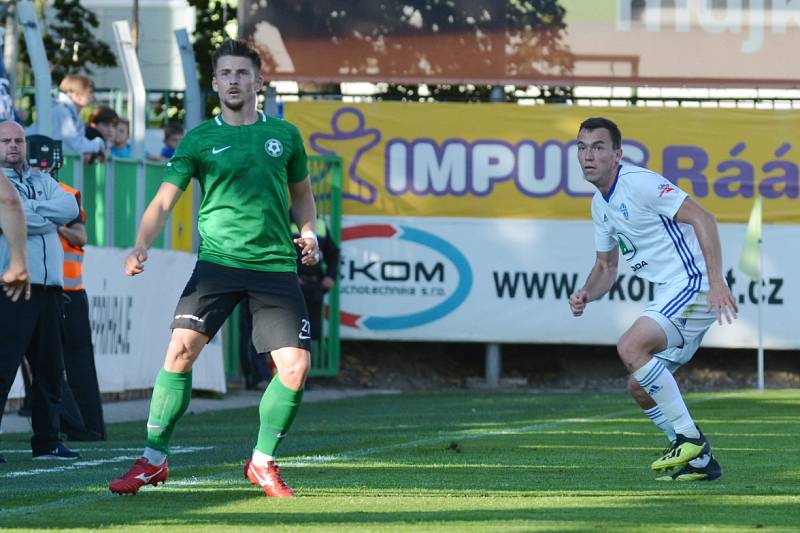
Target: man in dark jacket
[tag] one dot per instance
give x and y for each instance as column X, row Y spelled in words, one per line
column 33, row 327
column 316, row 280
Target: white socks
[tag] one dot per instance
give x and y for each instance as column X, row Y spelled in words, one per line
column 154, row 457
column 658, row 382
column 261, row 459
column 661, row 421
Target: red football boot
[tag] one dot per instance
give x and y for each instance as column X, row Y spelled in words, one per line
column 269, row 478
column 140, row 474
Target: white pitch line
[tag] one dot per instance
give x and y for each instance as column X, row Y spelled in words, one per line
column 74, row 465
column 133, row 449
column 323, row 459
column 301, row 461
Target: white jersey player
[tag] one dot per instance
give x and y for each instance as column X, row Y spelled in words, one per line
column 667, row 238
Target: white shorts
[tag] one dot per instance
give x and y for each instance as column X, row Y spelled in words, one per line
column 682, row 315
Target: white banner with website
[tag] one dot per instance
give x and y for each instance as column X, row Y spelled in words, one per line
column 508, row 280
column 130, row 319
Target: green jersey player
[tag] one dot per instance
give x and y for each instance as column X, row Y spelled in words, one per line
column 248, row 166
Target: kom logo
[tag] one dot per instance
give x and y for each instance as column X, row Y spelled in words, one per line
column 396, row 277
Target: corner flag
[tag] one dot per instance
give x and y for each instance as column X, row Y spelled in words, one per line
column 750, row 260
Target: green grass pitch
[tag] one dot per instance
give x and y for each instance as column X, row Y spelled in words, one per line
column 449, row 461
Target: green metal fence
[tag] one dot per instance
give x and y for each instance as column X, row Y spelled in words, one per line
column 115, row 195
column 326, row 182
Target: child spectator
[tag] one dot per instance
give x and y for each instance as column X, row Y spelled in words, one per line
column 173, row 133
column 103, row 124
column 121, row 148
column 75, row 92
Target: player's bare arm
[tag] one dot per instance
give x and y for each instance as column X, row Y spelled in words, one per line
column 15, row 280
column 305, row 214
column 705, row 227
column 153, row 221
column 600, row 281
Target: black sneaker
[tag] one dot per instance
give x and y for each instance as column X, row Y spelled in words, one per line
column 59, row 453
column 710, row 472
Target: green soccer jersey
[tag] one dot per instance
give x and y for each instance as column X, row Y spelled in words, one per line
column 244, row 172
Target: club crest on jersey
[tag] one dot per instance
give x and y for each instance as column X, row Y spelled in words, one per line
column 273, row 147
column 626, row 246
column 624, row 210
column 665, row 188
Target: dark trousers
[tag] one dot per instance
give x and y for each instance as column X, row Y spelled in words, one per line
column 252, row 364
column 33, row 328
column 79, row 363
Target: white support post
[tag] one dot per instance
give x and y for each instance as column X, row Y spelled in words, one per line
column 133, row 80
column 140, row 200
column 193, row 104
column 760, row 293
column 270, row 101
column 493, row 365
column 192, row 100
column 108, row 213
column 77, row 174
column 41, row 67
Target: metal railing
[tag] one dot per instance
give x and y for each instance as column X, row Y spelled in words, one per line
column 115, row 194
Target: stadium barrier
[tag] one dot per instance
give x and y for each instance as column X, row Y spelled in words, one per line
column 130, row 323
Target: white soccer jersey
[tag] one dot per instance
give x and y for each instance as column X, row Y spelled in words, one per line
column 637, row 215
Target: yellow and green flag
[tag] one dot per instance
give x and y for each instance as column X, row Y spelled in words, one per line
column 750, row 260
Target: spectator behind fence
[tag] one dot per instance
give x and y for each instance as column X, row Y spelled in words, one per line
column 33, row 327
column 78, row 349
column 173, row 133
column 121, row 147
column 75, row 92
column 103, row 124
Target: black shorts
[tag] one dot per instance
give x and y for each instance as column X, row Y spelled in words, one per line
column 280, row 319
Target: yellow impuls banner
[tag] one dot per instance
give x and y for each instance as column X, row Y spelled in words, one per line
column 512, row 161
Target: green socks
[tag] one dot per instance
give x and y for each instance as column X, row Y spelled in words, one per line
column 171, row 395
column 277, row 410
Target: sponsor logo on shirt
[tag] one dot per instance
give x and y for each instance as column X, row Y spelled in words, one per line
column 273, row 147
column 665, row 188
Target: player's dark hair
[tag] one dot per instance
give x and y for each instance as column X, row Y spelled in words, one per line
column 232, row 47
column 596, row 123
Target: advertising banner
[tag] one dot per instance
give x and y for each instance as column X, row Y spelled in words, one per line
column 512, row 161
column 508, row 281
column 700, row 43
column 130, row 319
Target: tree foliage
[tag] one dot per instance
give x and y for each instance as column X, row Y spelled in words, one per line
column 70, row 41
column 212, row 19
